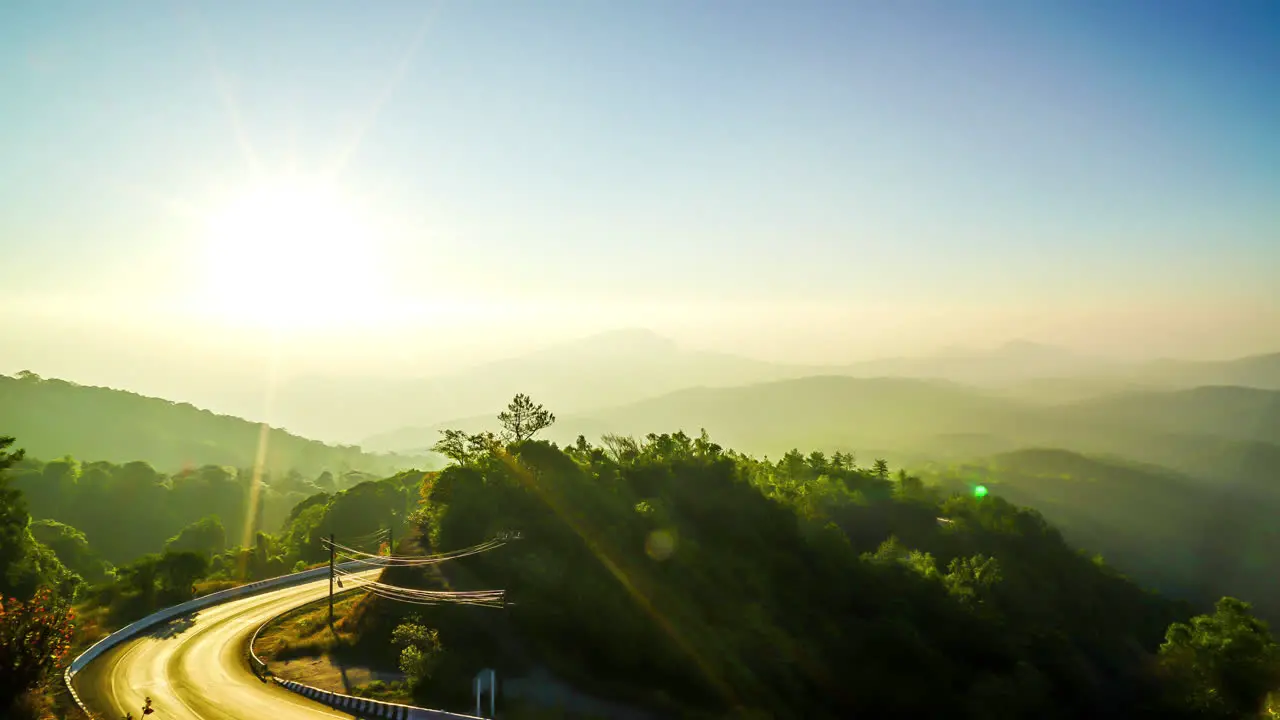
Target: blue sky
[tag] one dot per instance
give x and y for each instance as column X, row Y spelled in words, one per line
column 826, row 180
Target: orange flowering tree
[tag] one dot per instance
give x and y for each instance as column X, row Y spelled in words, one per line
column 35, row 641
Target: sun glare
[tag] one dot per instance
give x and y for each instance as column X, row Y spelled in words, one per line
column 291, row 255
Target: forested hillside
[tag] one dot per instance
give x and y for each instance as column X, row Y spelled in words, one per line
column 1167, row 530
column 677, row 576
column 131, row 509
column 56, row 418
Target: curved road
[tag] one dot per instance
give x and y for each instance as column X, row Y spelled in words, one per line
column 195, row 668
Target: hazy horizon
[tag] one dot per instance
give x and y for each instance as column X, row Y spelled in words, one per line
column 194, row 193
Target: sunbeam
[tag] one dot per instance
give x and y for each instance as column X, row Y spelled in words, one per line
column 388, row 90
column 225, row 93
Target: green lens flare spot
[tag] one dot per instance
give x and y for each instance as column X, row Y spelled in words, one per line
column 980, row 491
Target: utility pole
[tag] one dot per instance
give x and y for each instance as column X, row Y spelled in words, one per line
column 330, row 579
column 391, row 538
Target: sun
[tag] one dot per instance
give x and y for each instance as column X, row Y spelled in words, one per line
column 291, row 254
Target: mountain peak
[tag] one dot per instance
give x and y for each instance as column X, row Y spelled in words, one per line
column 1024, row 347
column 623, row 341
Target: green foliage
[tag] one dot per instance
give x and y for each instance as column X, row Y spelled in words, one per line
column 205, row 536
column 35, row 639
column 179, row 570
column 150, row 583
column 72, row 549
column 359, row 511
column 461, row 447
column 129, row 510
column 420, row 651
column 25, row 564
column 13, row 518
column 805, row 587
column 523, row 419
column 1222, row 665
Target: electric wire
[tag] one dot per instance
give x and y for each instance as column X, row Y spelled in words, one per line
column 489, row 598
column 354, row 555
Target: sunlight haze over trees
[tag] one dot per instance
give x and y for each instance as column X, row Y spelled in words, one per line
column 697, row 359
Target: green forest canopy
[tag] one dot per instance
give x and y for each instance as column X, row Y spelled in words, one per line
column 690, row 580
column 802, row 585
column 129, row 510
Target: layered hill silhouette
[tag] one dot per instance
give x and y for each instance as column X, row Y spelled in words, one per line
column 606, row 369
column 1202, row 429
column 626, row 367
column 54, row 418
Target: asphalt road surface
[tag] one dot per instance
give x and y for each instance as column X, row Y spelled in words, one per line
column 195, row 668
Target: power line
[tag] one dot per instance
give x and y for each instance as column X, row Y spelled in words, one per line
column 484, row 598
column 490, row 598
column 373, row 540
column 355, row 555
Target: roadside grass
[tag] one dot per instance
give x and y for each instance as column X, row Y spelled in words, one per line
column 392, row 692
column 305, row 632
column 208, row 587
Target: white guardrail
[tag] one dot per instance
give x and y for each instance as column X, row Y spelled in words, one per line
column 361, row 707
column 366, row 708
column 129, row 631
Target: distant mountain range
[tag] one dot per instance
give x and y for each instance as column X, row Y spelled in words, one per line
column 608, row 369
column 599, row 384
column 955, row 402
column 627, row 366
column 908, row 419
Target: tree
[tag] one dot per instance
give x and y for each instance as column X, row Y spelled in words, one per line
column 140, row 576
column 970, row 579
column 909, row 487
column 35, row 638
column 420, row 652
column 1222, row 665
column 453, row 446
column 843, row 461
column 881, row 469
column 180, row 570
column 523, row 419
column 71, row 547
column 205, row 536
column 621, row 448
column 13, row 516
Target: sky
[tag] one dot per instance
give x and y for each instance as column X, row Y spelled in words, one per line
column 406, row 187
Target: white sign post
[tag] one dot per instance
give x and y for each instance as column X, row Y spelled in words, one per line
column 486, row 680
